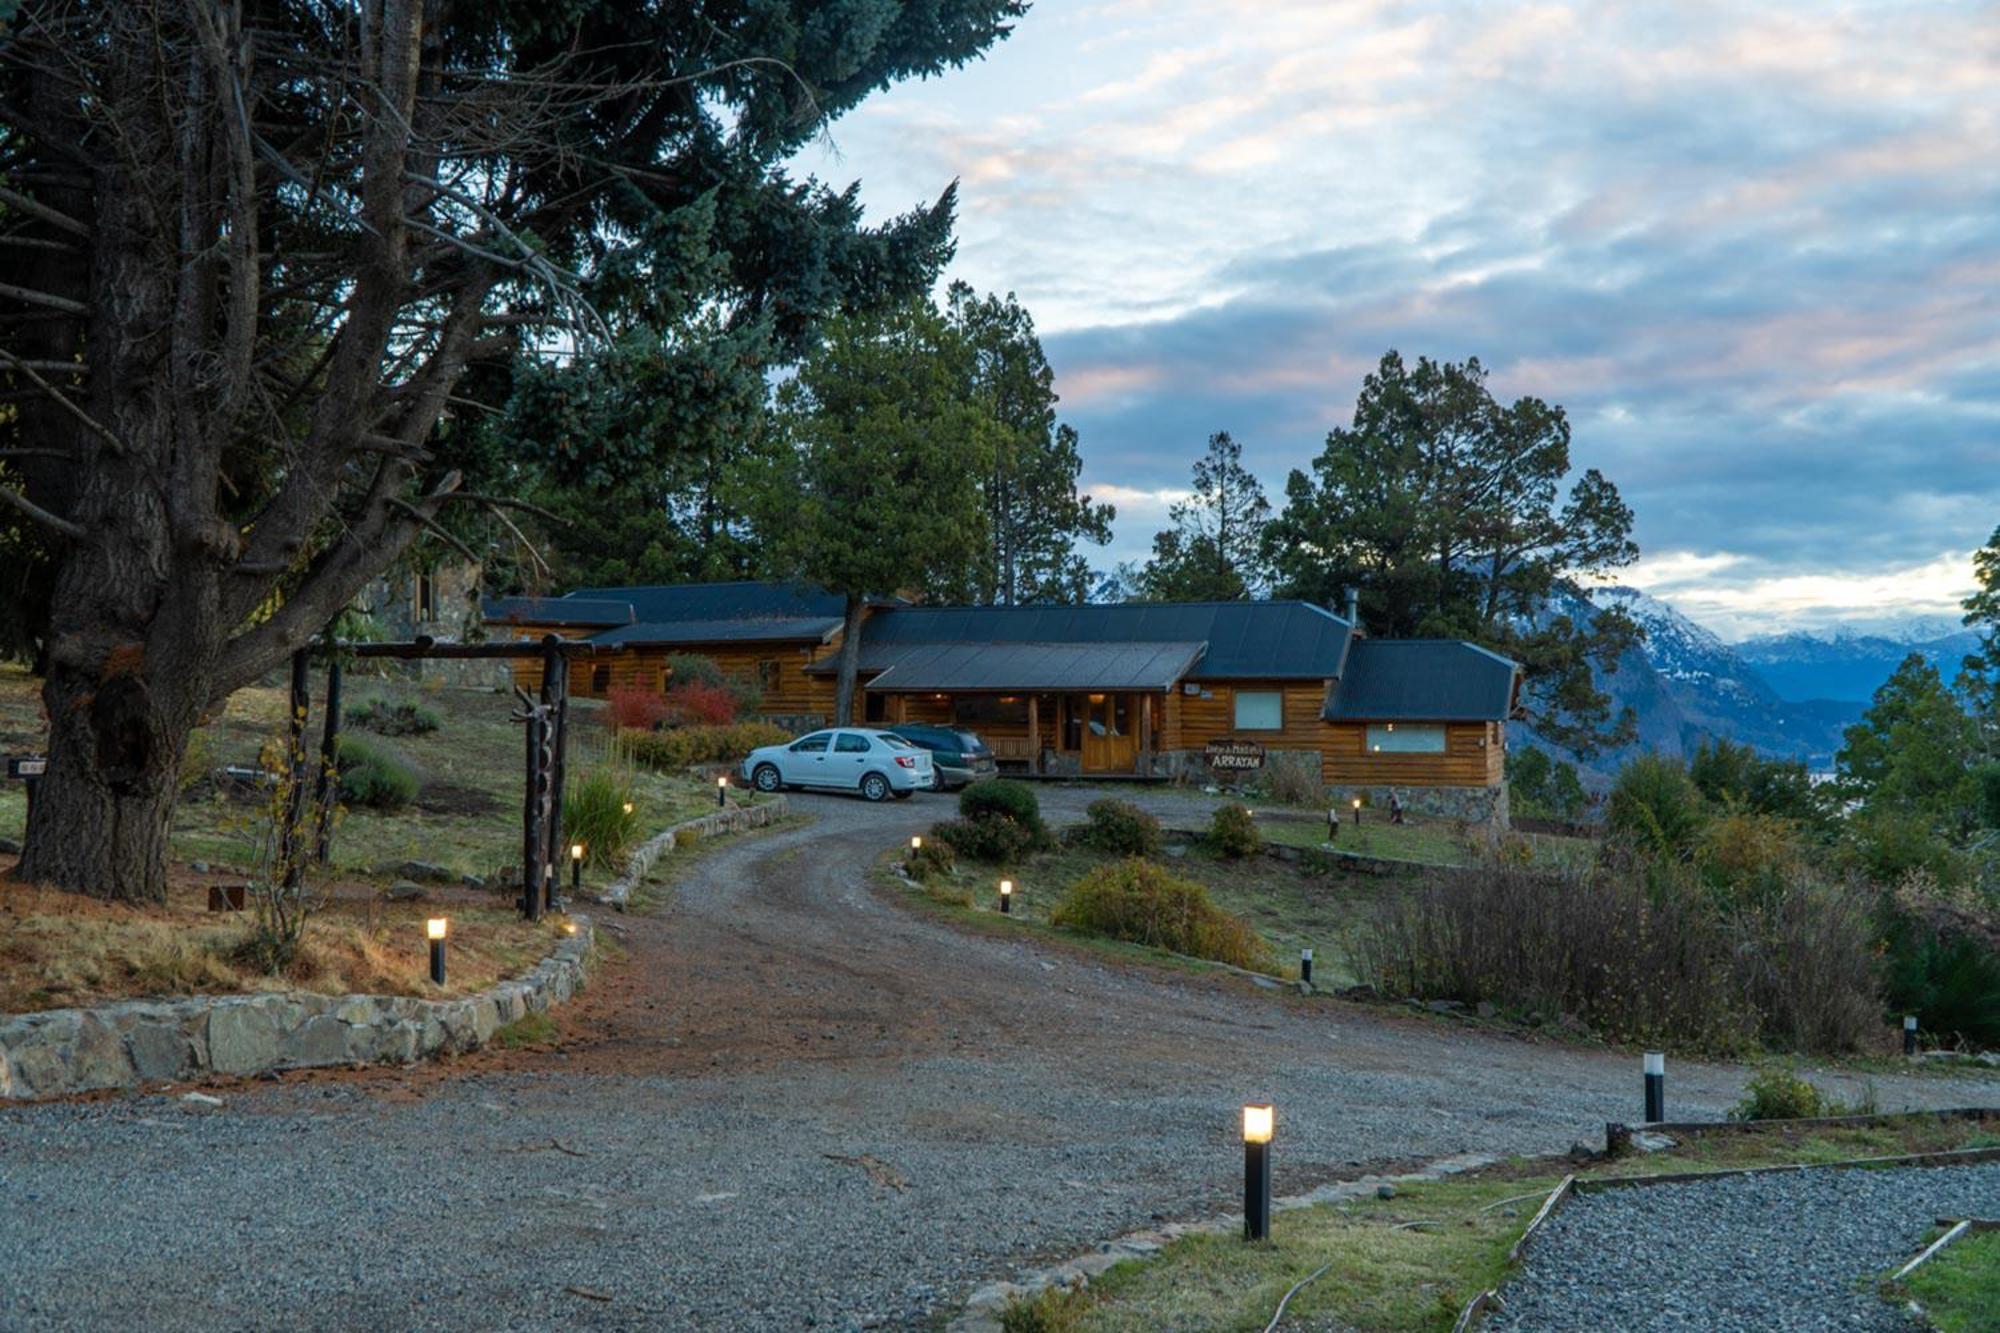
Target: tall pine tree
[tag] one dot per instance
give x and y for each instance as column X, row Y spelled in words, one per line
column 1214, row 550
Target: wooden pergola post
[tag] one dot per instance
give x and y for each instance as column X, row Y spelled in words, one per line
column 1034, row 732
column 555, row 700
column 329, row 755
column 290, row 851
column 1146, row 735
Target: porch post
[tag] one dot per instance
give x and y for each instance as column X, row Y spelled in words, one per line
column 1034, row 732
column 1146, row 735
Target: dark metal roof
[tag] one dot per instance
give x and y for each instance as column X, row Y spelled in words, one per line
column 1244, row 639
column 556, row 611
column 815, row 629
column 1423, row 680
column 1036, row 666
column 746, row 600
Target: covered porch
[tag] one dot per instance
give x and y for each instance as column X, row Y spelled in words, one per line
column 1043, row 709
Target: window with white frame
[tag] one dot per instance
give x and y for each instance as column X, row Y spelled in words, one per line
column 1405, row 738
column 1260, row 710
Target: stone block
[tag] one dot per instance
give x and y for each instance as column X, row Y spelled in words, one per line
column 160, row 1051
column 321, row 1040
column 242, row 1037
column 38, row 1070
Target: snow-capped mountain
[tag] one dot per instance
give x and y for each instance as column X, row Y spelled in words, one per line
column 1850, row 665
column 1685, row 685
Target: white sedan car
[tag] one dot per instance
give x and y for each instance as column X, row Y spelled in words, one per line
column 878, row 764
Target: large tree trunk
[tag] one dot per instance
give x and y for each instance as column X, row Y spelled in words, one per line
column 850, row 662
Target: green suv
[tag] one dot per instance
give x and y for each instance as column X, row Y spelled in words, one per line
column 959, row 756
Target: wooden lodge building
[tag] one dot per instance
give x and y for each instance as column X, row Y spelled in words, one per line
column 1136, row 689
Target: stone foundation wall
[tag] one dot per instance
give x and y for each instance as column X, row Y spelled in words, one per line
column 124, row 1045
column 1479, row 807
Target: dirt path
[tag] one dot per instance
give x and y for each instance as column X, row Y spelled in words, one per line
column 793, row 1104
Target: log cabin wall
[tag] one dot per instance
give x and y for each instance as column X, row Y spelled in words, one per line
column 1193, row 721
column 778, row 668
column 1475, row 755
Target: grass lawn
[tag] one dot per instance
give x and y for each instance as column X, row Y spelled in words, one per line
column 1960, row 1289
column 467, row 817
column 1412, row 1262
column 1432, row 842
column 1286, row 905
column 59, row 950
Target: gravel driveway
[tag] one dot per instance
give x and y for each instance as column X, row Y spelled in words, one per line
column 1797, row 1250
column 792, row 1104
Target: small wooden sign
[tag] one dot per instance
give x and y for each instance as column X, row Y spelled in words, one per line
column 27, row 765
column 1234, row 754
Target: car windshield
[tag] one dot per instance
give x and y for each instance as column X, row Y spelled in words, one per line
column 968, row 741
column 894, row 742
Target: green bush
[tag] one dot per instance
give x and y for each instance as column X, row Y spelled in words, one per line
column 1140, row 901
column 693, row 669
column 1121, row 828
column 595, row 814
column 1056, row 1309
column 683, row 747
column 1234, row 832
column 1003, row 797
column 373, row 775
column 1943, row 965
column 1656, row 808
column 994, row 839
column 394, row 719
column 1776, row 1093
column 933, row 860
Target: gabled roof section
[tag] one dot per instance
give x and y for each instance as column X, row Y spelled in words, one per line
column 790, row 629
column 1245, row 640
column 1036, row 666
column 747, row 600
column 1424, row 680
column 582, row 612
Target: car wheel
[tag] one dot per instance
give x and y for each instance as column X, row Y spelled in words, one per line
column 875, row 787
column 766, row 778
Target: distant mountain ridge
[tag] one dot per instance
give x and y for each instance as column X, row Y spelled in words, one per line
column 1685, row 686
column 1850, row 665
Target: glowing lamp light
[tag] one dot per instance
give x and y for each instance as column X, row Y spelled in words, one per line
column 1259, row 1119
column 722, row 790
column 628, row 807
column 569, row 927
column 576, row 851
column 916, row 842
column 1258, row 1122
column 1357, row 803
column 435, row 928
column 1007, row 895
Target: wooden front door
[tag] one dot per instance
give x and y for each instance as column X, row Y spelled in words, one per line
column 1110, row 733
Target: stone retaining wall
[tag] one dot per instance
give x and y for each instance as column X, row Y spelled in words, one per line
column 124, row 1045
column 734, row 819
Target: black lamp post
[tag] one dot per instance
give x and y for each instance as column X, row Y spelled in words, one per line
column 1656, row 1087
column 1258, row 1122
column 435, row 930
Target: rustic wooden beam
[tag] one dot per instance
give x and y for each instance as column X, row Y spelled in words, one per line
column 427, row 648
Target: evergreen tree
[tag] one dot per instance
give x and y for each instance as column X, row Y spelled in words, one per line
column 1446, row 510
column 878, row 488
column 1034, row 515
column 1214, row 550
column 1911, row 754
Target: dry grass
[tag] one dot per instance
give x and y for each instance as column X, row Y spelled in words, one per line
column 60, row 950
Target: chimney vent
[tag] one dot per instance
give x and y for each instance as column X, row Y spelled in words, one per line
column 1353, row 605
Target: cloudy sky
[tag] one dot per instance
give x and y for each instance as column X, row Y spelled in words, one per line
column 1754, row 248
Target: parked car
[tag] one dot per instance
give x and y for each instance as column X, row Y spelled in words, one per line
column 960, row 756
column 878, row 764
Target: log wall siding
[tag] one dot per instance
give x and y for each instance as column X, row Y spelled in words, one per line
column 1474, row 756
column 1192, row 721
column 794, row 692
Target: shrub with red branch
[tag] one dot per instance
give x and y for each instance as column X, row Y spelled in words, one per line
column 635, row 707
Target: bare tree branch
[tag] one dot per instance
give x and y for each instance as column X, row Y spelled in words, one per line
column 22, row 504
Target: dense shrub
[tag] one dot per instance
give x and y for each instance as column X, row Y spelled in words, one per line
column 1742, row 853
column 374, row 776
column 636, row 708
column 1641, row 954
column 1003, row 797
column 933, row 860
column 994, row 839
column 1539, row 787
column 1942, row 964
column 1776, row 1093
column 1655, row 807
column 684, row 669
column 701, row 705
column 394, row 719
column 595, row 814
column 671, row 751
column 1233, row 832
column 1293, row 777
column 1121, row 828
column 1139, row 901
